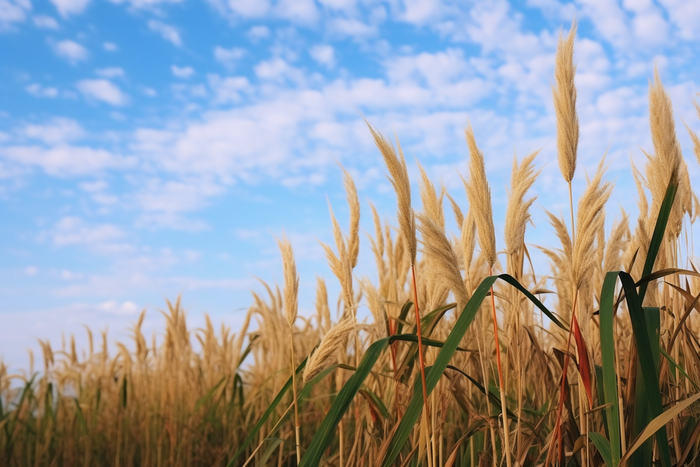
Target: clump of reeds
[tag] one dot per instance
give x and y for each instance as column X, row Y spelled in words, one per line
column 415, row 384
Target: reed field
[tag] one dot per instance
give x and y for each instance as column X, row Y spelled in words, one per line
column 460, row 363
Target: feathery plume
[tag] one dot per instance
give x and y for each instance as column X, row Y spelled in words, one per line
column 398, row 176
column 468, row 240
column 479, row 195
column 291, row 280
column 590, row 214
column 327, row 351
column 354, row 205
column 432, row 204
column 443, row 259
column 667, row 162
column 565, row 105
column 340, row 265
column 322, row 308
column 459, row 216
column 518, row 210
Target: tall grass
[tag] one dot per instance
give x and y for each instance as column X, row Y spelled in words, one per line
column 456, row 365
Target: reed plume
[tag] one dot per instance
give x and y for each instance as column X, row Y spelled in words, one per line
column 291, row 291
column 565, row 105
column 479, row 195
column 326, row 353
column 518, row 210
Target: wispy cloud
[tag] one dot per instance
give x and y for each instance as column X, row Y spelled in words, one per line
column 111, row 72
column 182, row 72
column 45, row 22
column 166, row 31
column 70, row 7
column 228, row 57
column 57, row 130
column 13, row 11
column 37, row 90
column 70, row 50
column 102, row 90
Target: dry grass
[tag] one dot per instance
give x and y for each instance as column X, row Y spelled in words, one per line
column 187, row 399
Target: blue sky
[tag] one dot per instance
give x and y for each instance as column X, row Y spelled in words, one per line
column 153, row 148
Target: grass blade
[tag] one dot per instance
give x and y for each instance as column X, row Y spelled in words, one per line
column 659, row 423
column 443, row 358
column 603, row 446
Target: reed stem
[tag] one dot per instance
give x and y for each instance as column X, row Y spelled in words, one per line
column 294, row 392
column 420, row 346
column 504, row 407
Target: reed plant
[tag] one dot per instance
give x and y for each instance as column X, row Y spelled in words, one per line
column 468, row 356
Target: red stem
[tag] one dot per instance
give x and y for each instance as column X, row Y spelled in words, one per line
column 560, row 406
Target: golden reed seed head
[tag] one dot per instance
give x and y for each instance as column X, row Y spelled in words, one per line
column 468, row 240
column 354, row 205
column 327, row 351
column 459, row 216
column 518, row 210
column 591, row 213
column 479, row 195
column 291, row 281
column 696, row 142
column 565, row 105
column 322, row 308
column 443, row 260
column 667, row 163
column 432, row 204
column 398, row 176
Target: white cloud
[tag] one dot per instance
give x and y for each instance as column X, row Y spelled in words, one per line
column 351, row 27
column 182, row 72
column 71, row 230
column 229, row 89
column 124, row 308
column 685, row 15
column 111, row 72
column 37, row 90
column 167, row 32
column 58, row 130
column 66, row 160
column 31, row 270
column 610, row 21
column 102, row 90
column 110, row 46
column 13, row 11
column 323, row 54
column 70, row 50
column 228, row 57
column 70, row 7
column 421, row 12
column 45, row 22
column 249, row 8
column 258, row 32
column 297, row 11
column 277, row 69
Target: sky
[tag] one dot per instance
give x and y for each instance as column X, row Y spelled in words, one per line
column 151, row 149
